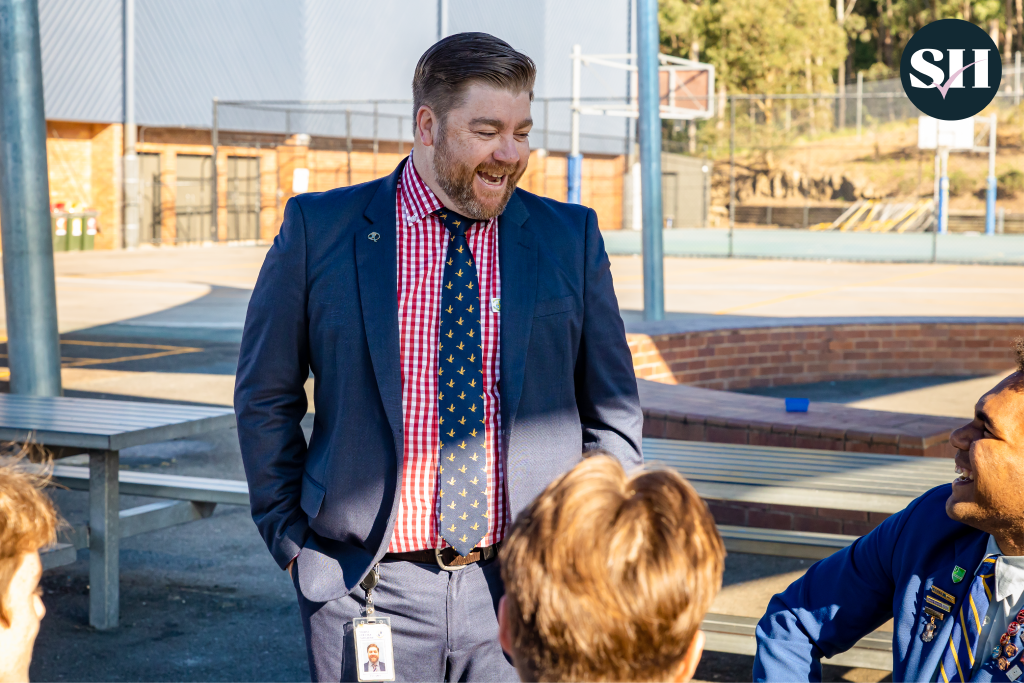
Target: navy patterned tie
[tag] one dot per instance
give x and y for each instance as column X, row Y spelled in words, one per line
column 462, row 469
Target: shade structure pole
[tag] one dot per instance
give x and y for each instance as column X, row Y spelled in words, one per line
column 649, row 124
column 33, row 346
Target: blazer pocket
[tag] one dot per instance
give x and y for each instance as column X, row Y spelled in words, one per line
column 553, row 306
column 312, row 496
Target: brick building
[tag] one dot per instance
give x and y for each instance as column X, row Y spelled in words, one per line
column 188, row 52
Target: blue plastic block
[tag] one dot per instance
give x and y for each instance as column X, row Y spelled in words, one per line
column 797, row 405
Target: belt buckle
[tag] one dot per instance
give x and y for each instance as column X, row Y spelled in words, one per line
column 445, row 567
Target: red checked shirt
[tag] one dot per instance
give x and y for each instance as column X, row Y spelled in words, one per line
column 422, row 245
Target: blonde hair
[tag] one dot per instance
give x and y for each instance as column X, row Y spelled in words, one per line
column 28, row 521
column 604, row 571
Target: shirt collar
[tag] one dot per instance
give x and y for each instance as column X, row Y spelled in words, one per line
column 418, row 200
column 1009, row 575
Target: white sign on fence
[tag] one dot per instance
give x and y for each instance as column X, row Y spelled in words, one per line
column 934, row 133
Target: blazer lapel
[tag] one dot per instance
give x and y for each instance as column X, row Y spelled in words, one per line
column 518, row 261
column 376, row 264
column 968, row 551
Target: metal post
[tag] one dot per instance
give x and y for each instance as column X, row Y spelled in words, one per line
column 1017, row 78
column 442, row 19
column 860, row 101
column 944, row 190
column 130, row 185
column 732, row 169
column 348, row 144
column 990, row 195
column 376, row 141
column 104, row 540
column 214, row 199
column 33, row 344
column 575, row 165
column 649, row 124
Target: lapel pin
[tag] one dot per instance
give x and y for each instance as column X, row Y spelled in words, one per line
column 374, row 236
column 958, row 574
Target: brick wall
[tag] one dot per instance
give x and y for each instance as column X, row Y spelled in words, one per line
column 85, row 167
column 764, row 357
column 791, row 518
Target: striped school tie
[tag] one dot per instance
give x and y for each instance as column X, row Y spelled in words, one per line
column 962, row 648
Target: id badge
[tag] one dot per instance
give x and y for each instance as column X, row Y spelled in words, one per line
column 375, row 658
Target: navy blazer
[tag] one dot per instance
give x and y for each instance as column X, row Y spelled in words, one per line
column 326, row 303
column 882, row 575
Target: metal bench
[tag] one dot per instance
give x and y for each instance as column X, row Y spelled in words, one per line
column 736, row 635
column 102, row 428
column 805, row 478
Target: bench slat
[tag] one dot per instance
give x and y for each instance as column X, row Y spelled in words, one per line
column 734, row 634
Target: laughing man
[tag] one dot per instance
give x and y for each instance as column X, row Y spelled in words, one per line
column 949, row 569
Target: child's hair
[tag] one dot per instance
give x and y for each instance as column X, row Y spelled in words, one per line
column 608, row 575
column 28, row 521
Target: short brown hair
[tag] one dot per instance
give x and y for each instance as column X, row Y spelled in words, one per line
column 28, row 522
column 1018, row 348
column 604, row 570
column 450, row 65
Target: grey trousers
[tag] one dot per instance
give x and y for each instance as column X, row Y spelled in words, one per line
column 444, row 624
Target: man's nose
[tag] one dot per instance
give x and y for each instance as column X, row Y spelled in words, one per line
column 961, row 439
column 507, row 152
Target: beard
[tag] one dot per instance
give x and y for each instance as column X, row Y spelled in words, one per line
column 456, row 179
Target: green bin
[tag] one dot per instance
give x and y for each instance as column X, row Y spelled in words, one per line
column 59, row 223
column 74, row 231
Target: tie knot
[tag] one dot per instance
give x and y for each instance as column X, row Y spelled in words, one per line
column 457, row 224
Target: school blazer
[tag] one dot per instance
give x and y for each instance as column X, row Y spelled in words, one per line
column 326, row 304
column 882, row 575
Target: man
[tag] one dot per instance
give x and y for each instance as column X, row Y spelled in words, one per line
column 373, row 656
column 466, row 347
column 27, row 523
column 949, row 569
column 608, row 576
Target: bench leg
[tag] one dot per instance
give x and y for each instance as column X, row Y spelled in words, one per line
column 104, row 536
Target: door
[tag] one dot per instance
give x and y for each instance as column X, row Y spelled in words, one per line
column 243, row 198
column 192, row 207
column 151, row 203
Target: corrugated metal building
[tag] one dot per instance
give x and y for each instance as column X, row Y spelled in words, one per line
column 190, row 51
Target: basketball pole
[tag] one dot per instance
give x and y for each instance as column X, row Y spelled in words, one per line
column 649, row 125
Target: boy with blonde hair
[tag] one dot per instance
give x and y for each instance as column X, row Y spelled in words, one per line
column 27, row 523
column 608, row 576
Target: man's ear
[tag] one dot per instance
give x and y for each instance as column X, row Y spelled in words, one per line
column 691, row 659
column 426, row 125
column 504, row 628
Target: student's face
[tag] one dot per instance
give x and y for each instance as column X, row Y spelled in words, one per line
column 26, row 611
column 989, row 494
column 373, row 654
column 482, row 149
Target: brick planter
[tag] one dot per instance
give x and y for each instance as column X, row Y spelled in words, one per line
column 801, row 354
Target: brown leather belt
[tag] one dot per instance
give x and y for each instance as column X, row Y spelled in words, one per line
column 446, row 558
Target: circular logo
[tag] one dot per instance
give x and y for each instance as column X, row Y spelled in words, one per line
column 951, row 69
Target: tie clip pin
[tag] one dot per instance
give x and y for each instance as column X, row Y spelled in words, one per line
column 942, row 594
column 933, row 613
column 935, row 602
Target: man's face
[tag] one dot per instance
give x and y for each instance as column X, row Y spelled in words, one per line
column 373, row 654
column 989, row 494
column 482, row 149
column 26, row 611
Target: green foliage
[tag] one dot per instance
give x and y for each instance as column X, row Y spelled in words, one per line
column 761, row 46
column 766, row 46
column 1009, row 183
column 960, row 183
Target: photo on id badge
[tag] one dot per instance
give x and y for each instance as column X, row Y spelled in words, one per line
column 375, row 659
